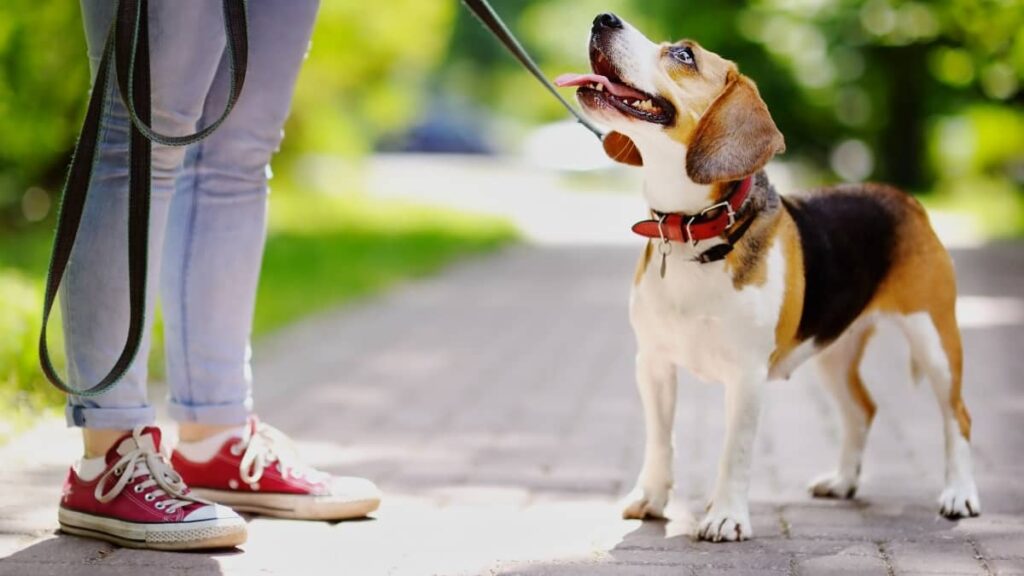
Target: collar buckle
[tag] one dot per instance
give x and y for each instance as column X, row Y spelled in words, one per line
column 724, row 205
column 728, row 210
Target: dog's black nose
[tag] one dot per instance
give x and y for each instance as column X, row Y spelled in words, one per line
column 607, row 20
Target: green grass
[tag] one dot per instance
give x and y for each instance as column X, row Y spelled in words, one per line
column 23, row 259
column 322, row 251
column 22, row 394
column 994, row 208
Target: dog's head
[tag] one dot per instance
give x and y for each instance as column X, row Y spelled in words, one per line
column 677, row 95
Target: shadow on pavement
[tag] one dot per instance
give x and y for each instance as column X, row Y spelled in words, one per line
column 65, row 554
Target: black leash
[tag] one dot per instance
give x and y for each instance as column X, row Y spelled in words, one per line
column 127, row 48
column 483, row 11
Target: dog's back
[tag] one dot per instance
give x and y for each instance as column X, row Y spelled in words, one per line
column 857, row 243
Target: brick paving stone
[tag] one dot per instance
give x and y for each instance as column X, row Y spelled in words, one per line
column 842, row 565
column 707, row 555
column 741, row 572
column 1006, row 566
column 1001, row 545
column 567, row 569
column 933, row 556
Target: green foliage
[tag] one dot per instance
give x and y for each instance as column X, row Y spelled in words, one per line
column 367, row 72
column 19, row 325
column 366, row 75
column 23, row 390
column 44, row 79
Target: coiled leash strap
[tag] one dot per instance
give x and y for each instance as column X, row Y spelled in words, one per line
column 483, row 11
column 127, row 48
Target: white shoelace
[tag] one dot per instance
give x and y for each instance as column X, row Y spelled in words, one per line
column 264, row 445
column 143, row 462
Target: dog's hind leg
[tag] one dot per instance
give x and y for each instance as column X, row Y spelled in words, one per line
column 656, row 380
column 839, row 366
column 935, row 346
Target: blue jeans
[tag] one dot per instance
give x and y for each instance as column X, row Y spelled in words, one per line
column 208, row 218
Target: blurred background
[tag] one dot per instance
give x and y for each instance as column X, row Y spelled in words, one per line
column 415, row 138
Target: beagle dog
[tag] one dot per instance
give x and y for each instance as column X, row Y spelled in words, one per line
column 740, row 285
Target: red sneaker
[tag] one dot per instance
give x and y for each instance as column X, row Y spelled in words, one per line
column 139, row 501
column 259, row 472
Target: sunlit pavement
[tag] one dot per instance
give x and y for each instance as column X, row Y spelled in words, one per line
column 495, row 406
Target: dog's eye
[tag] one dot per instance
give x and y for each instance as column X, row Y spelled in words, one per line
column 682, row 54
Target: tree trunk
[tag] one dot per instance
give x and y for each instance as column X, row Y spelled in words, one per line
column 902, row 144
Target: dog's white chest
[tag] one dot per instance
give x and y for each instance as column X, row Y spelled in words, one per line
column 696, row 318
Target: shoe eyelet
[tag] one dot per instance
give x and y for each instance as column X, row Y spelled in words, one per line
column 149, row 497
column 138, row 488
column 159, row 505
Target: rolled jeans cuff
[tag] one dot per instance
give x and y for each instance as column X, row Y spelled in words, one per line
column 112, row 418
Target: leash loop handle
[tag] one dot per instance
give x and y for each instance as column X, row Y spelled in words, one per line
column 489, row 18
column 127, row 50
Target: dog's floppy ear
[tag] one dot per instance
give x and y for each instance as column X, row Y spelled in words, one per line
column 621, row 148
column 735, row 137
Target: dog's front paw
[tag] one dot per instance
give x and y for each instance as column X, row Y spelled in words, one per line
column 959, row 501
column 833, row 485
column 725, row 524
column 645, row 503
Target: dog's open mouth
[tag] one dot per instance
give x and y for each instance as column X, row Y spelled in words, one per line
column 605, row 86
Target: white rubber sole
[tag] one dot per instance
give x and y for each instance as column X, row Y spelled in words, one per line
column 293, row 506
column 197, row 535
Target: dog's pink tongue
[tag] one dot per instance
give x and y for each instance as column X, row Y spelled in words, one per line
column 620, row 90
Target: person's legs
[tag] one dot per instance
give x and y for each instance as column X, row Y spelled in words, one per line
column 217, row 227
column 125, row 489
column 186, row 44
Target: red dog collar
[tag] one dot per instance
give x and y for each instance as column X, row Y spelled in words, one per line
column 701, row 226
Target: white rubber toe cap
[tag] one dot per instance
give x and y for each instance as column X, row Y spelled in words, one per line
column 213, row 512
column 353, row 489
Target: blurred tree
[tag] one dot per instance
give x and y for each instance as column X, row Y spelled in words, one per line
column 365, row 76
column 367, row 72
column 855, row 86
column 877, row 71
column 44, row 81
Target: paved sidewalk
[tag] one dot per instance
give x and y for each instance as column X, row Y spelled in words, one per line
column 495, row 405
